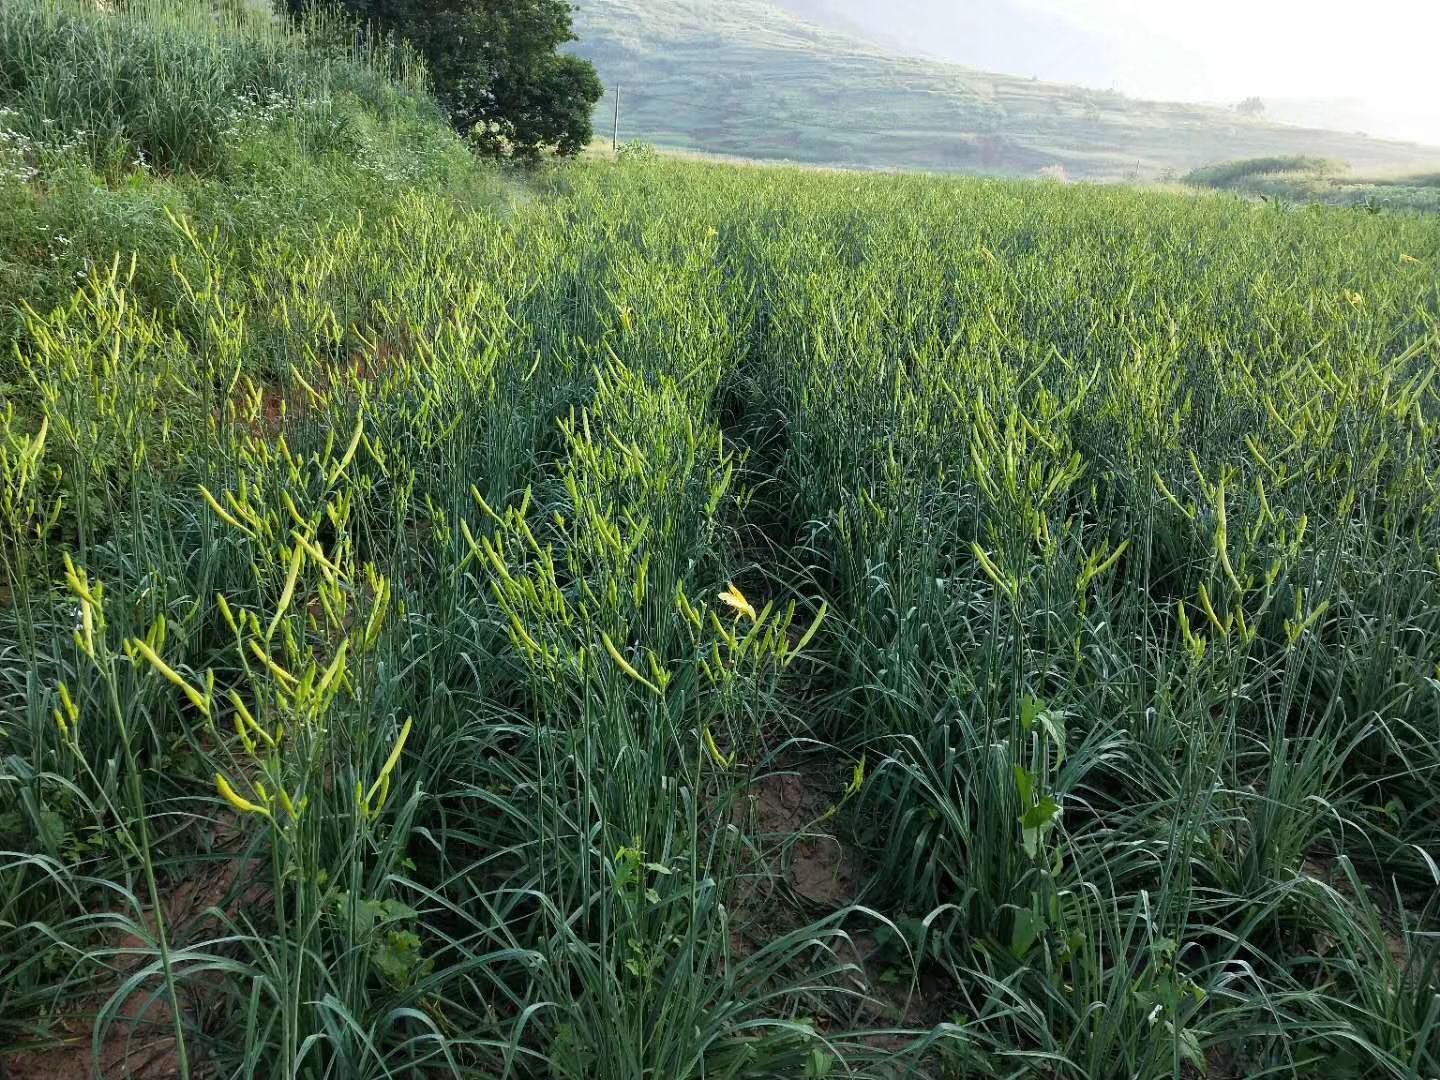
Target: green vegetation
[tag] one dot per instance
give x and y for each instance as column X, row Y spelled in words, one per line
column 261, row 131
column 746, row 79
column 1229, row 174
column 1315, row 180
column 674, row 620
column 495, row 69
column 164, row 85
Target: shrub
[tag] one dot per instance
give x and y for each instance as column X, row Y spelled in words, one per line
column 496, row 68
column 1231, row 173
column 638, row 153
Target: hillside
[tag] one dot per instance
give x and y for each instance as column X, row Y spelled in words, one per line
column 746, row 78
column 992, row 35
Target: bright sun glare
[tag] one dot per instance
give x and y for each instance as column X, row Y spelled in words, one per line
column 1382, row 51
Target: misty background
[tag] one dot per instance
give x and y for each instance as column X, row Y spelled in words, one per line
column 1319, row 63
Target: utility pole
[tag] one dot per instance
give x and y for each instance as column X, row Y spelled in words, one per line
column 615, row 132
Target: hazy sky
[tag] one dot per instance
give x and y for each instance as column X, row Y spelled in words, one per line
column 1387, row 51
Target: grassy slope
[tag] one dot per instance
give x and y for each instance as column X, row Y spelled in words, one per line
column 747, row 79
column 1312, row 181
column 248, row 136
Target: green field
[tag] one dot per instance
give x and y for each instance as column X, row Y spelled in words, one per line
column 667, row 620
column 746, row 79
column 1312, row 180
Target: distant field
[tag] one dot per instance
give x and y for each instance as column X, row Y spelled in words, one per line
column 746, row 79
column 1313, row 180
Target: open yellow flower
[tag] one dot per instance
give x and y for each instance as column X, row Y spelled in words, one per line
column 735, row 600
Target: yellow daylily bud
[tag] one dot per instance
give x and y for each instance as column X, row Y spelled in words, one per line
column 382, row 783
column 290, row 807
column 625, row 666
column 723, row 762
column 196, row 698
column 244, row 805
column 220, row 512
column 297, row 559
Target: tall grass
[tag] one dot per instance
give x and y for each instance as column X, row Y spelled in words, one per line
column 164, row 81
column 453, row 594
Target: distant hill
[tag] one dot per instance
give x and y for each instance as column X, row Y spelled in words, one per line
column 1357, row 114
column 993, row 35
column 747, row 78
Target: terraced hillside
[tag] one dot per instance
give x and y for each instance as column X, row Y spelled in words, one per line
column 746, row 78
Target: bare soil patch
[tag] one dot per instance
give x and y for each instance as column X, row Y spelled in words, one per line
column 139, row 1043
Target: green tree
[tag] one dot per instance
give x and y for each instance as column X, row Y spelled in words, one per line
column 496, row 68
column 1251, row 106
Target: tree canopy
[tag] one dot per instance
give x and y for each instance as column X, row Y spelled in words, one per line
column 496, row 68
